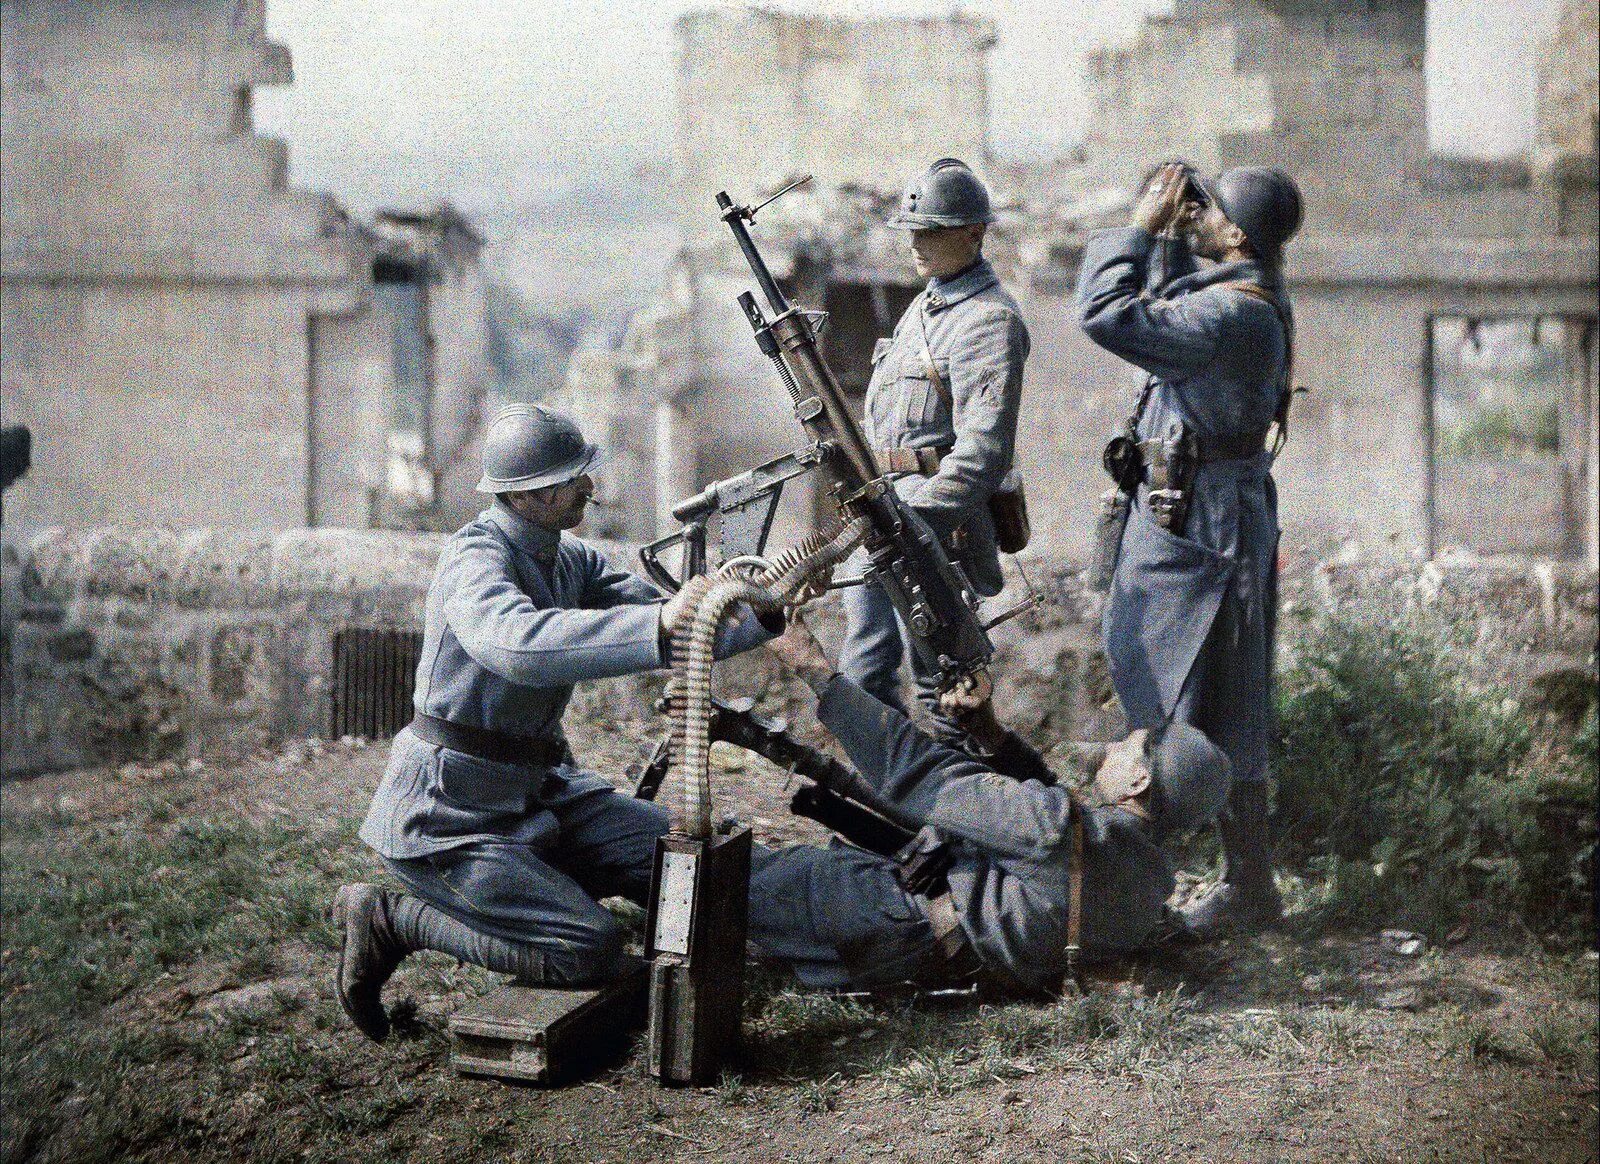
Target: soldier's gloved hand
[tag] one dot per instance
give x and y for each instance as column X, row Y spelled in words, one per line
column 797, row 649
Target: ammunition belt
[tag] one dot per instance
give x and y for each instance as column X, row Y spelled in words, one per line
column 488, row 744
column 923, row 460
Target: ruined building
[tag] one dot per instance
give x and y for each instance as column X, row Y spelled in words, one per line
column 192, row 341
column 1446, row 308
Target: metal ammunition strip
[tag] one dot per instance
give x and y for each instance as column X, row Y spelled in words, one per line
column 765, row 586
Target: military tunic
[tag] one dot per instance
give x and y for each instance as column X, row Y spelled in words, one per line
column 979, row 344
column 515, row 615
column 840, row 918
column 1191, row 617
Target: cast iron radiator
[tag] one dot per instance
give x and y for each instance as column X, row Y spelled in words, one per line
column 374, row 678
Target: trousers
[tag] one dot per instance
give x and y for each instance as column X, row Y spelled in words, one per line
column 874, row 647
column 546, row 894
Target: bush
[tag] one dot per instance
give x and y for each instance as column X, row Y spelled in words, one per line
column 1417, row 798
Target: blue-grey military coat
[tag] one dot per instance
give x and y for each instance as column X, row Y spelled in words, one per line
column 1011, row 840
column 1216, row 357
column 979, row 344
column 515, row 615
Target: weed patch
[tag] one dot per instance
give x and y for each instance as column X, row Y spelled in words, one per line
column 1412, row 797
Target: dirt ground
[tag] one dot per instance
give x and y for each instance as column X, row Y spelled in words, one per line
column 216, row 1035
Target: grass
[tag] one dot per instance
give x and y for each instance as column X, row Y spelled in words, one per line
column 1421, row 795
column 99, row 915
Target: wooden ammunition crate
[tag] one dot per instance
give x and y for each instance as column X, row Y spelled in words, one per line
column 533, row 1034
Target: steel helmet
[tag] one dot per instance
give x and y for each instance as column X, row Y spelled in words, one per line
column 946, row 194
column 1263, row 202
column 529, row 446
column 1191, row 775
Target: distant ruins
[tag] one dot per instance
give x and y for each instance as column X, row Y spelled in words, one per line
column 1446, row 307
column 212, row 360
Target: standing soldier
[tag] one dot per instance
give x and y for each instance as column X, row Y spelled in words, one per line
column 941, row 413
column 503, row 842
column 1192, row 611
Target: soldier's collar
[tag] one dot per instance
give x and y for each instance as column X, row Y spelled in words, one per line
column 943, row 293
column 531, row 539
column 1238, row 271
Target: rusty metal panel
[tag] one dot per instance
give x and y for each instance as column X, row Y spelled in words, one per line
column 374, row 679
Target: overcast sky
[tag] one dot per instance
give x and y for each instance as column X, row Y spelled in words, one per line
column 494, row 99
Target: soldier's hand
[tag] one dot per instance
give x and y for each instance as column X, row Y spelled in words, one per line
column 797, row 648
column 970, row 695
column 1159, row 205
column 970, row 703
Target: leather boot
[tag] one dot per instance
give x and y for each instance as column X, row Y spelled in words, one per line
column 369, row 953
column 1245, row 898
column 381, row 928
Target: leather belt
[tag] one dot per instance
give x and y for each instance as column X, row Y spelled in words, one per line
column 1214, row 448
column 961, row 960
column 923, row 460
column 488, row 744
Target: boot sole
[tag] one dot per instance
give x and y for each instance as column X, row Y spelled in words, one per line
column 339, row 915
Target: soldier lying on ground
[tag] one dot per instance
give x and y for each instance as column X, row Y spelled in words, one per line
column 1001, row 914
column 503, row 841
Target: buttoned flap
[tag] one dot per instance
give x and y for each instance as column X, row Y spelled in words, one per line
column 881, row 349
column 924, row 401
column 473, row 783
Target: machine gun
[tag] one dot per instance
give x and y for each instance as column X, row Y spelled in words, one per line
column 696, row 922
column 934, row 599
column 931, row 594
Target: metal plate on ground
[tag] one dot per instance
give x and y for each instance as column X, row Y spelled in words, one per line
column 534, row 1034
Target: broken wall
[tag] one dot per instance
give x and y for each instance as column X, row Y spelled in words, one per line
column 1357, row 475
column 161, row 280
column 764, row 96
column 1333, row 92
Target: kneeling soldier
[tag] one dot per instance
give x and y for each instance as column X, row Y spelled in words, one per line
column 503, row 841
column 1034, row 873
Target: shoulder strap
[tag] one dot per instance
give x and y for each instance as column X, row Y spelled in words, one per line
column 1286, row 386
column 939, row 385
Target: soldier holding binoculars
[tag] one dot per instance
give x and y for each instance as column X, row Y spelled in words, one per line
column 1192, row 560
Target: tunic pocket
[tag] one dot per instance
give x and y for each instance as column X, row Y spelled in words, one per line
column 478, row 784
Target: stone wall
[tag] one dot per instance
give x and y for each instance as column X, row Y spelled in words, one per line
column 126, row 643
column 162, row 282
